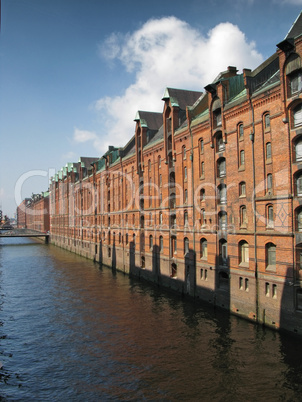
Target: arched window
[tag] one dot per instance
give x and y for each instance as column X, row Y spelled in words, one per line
column 242, row 189
column 202, row 195
column 173, row 221
column 223, row 252
column 267, row 121
column 299, row 184
column 222, row 220
column 297, row 115
column 173, row 270
column 298, row 149
column 269, row 182
column 222, row 194
column 270, row 216
column 221, row 168
column 160, row 218
column 240, row 131
column 186, row 245
column 270, row 255
column 243, row 252
column 220, row 146
column 299, row 257
column 201, row 145
column 299, row 220
column 159, row 161
column 186, row 219
column 216, row 109
column 185, row 173
column 133, row 240
column 184, row 152
column 151, row 242
column 268, row 150
column 202, row 217
column 172, row 201
column 203, row 249
column 243, row 216
column 161, row 243
column 202, row 169
column 173, row 245
column 293, row 74
column 242, row 158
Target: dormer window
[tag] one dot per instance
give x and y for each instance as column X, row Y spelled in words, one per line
column 216, row 109
column 295, row 82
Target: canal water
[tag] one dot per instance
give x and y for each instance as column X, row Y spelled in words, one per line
column 71, row 330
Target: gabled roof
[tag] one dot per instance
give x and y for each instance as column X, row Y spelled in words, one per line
column 181, row 97
column 151, row 120
column 296, row 29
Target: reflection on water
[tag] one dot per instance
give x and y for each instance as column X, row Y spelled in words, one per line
column 71, row 330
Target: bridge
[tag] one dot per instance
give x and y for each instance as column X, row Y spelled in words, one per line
column 23, row 233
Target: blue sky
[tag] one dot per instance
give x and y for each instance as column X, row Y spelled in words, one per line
column 74, row 72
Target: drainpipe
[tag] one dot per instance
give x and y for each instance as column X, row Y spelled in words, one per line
column 193, row 198
column 252, row 138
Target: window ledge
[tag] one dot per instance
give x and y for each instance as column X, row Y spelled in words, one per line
column 241, row 168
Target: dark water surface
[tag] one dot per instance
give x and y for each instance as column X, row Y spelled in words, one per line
column 74, row 331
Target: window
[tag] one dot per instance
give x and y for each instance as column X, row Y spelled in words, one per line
column 268, row 150
column 221, row 169
column 222, row 194
column 242, row 189
column 243, row 217
column 270, row 255
column 246, row 284
column 184, row 152
column 295, row 82
column 161, row 243
column 267, row 121
column 270, row 216
column 201, row 145
column 186, row 219
column 151, row 242
column 173, row 221
column 160, row 218
column 202, row 169
column 186, row 245
column 160, row 180
column 240, row 283
column 266, row 289
column 173, row 245
column 203, row 249
column 219, row 142
column 173, row 270
column 299, row 184
column 202, row 195
column 223, row 254
column 240, row 131
column 159, row 161
column 298, row 149
column 269, row 182
column 217, row 118
column 133, row 240
column 242, row 158
column 243, row 252
column 297, row 115
column 126, row 238
column 202, row 217
column 186, row 196
column 185, row 173
column 172, row 200
column 299, row 220
column 222, row 220
column 274, row 295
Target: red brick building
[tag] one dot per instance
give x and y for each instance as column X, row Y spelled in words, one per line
column 33, row 213
column 206, row 197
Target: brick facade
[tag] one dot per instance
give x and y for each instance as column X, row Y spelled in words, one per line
column 206, row 197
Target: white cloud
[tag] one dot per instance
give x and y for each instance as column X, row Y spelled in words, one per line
column 83, row 135
column 167, row 52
